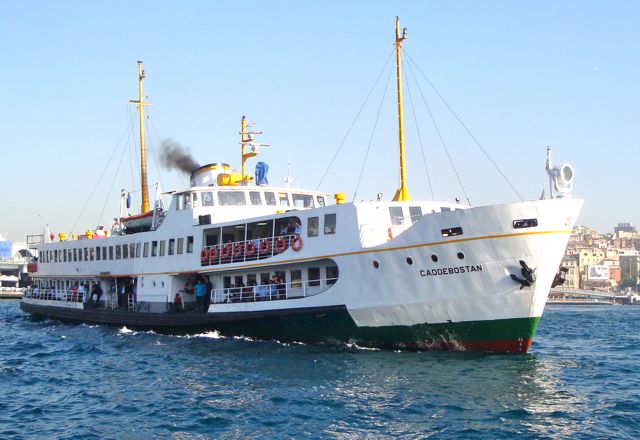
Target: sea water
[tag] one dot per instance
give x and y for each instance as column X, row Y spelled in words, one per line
column 581, row 379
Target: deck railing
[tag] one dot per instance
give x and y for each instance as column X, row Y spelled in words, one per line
column 248, row 250
column 271, row 292
column 56, row 295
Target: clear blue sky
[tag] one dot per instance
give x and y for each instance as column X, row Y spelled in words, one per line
column 521, row 75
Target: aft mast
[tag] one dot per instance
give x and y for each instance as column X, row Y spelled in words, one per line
column 143, row 150
column 402, row 194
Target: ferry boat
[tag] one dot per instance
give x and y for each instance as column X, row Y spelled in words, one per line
column 242, row 257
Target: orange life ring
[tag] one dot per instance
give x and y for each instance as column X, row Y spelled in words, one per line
column 237, row 250
column 204, row 256
column 226, row 251
column 296, row 243
column 264, row 247
column 250, row 249
column 280, row 245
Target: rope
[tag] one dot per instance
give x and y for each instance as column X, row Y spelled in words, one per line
column 466, row 129
column 111, row 186
column 444, row 144
column 415, row 120
column 364, row 162
column 355, row 119
column 101, row 175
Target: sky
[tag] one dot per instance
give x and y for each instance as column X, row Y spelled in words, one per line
column 519, row 75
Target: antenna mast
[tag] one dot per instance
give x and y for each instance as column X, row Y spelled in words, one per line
column 143, row 150
column 402, row 194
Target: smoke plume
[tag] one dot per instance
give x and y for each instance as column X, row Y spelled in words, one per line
column 175, row 156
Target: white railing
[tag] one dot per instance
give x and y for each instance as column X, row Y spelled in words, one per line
column 246, row 250
column 55, row 295
column 271, row 292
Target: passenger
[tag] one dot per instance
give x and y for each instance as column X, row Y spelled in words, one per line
column 284, row 229
column 298, row 229
column 97, row 291
column 282, row 288
column 201, row 289
column 74, row 293
column 81, row 292
column 177, row 302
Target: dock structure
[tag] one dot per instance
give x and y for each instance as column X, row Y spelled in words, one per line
column 559, row 295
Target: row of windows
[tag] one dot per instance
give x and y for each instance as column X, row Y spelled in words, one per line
column 294, row 278
column 239, row 198
column 156, row 248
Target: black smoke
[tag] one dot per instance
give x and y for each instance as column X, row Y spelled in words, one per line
column 175, row 156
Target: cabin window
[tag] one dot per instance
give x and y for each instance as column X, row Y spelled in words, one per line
column 187, row 201
column 162, row 243
column 207, row 199
column 313, row 226
column 132, row 250
column 320, row 200
column 329, row 223
column 55, row 255
column 75, row 255
column 415, row 212
column 270, row 198
column 189, row 244
column 254, row 196
column 397, row 217
column 118, row 255
column 296, row 279
column 125, row 251
column 110, row 252
column 231, row 198
column 284, row 199
column 450, row 232
column 194, row 199
column 180, row 245
column 313, row 273
column 332, row 274
column 138, row 246
column 445, row 209
column 251, row 279
column 97, row 253
column 180, row 202
column 64, row 255
column 92, row 254
column 154, row 248
column 145, row 250
column 172, row 246
column 302, row 200
column 86, row 254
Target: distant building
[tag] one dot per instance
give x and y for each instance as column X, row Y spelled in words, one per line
column 629, row 271
column 624, row 227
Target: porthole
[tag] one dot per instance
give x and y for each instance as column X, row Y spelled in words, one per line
column 461, row 255
column 154, row 284
column 376, row 264
column 434, row 258
column 409, row 261
column 162, row 284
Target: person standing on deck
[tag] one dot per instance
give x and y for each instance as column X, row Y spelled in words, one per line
column 201, row 289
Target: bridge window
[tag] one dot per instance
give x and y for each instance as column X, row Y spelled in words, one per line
column 138, row 246
column 270, row 198
column 397, row 217
column 302, row 200
column 320, row 200
column 180, row 245
column 231, row 198
column 110, row 252
column 187, row 201
column 284, row 199
column 162, row 243
column 207, row 199
column 154, row 248
column 190, row 244
column 415, row 212
column 132, row 250
column 125, row 252
column 97, row 254
column 194, row 196
column 172, row 245
column 145, row 250
column 254, row 197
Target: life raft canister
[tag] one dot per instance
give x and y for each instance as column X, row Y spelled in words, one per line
column 264, row 247
column 250, row 249
column 280, row 245
column 204, row 256
column 296, row 243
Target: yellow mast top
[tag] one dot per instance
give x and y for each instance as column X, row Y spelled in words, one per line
column 143, row 150
column 402, row 193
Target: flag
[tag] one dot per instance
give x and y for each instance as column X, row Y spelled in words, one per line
column 49, row 235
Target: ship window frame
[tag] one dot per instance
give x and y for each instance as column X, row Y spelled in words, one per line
column 396, row 220
column 452, row 232
column 194, row 199
column 180, row 246
column 110, row 252
column 154, row 248
column 311, row 281
column 254, row 198
column 207, row 195
column 55, row 255
column 125, row 251
column 132, row 250
column 270, row 198
column 525, row 223
column 189, row 249
column 232, row 198
column 118, row 253
column 313, row 226
column 302, row 200
column 321, row 201
column 162, row 248
column 331, row 278
column 91, row 253
column 138, row 249
column 98, row 252
column 171, row 246
column 187, row 201
column 295, row 277
column 145, row 249
column 330, row 224
column 415, row 213
column 283, row 196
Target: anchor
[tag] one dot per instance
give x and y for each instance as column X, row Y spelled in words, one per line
column 528, row 274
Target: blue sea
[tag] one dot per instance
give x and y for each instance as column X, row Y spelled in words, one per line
column 581, row 379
